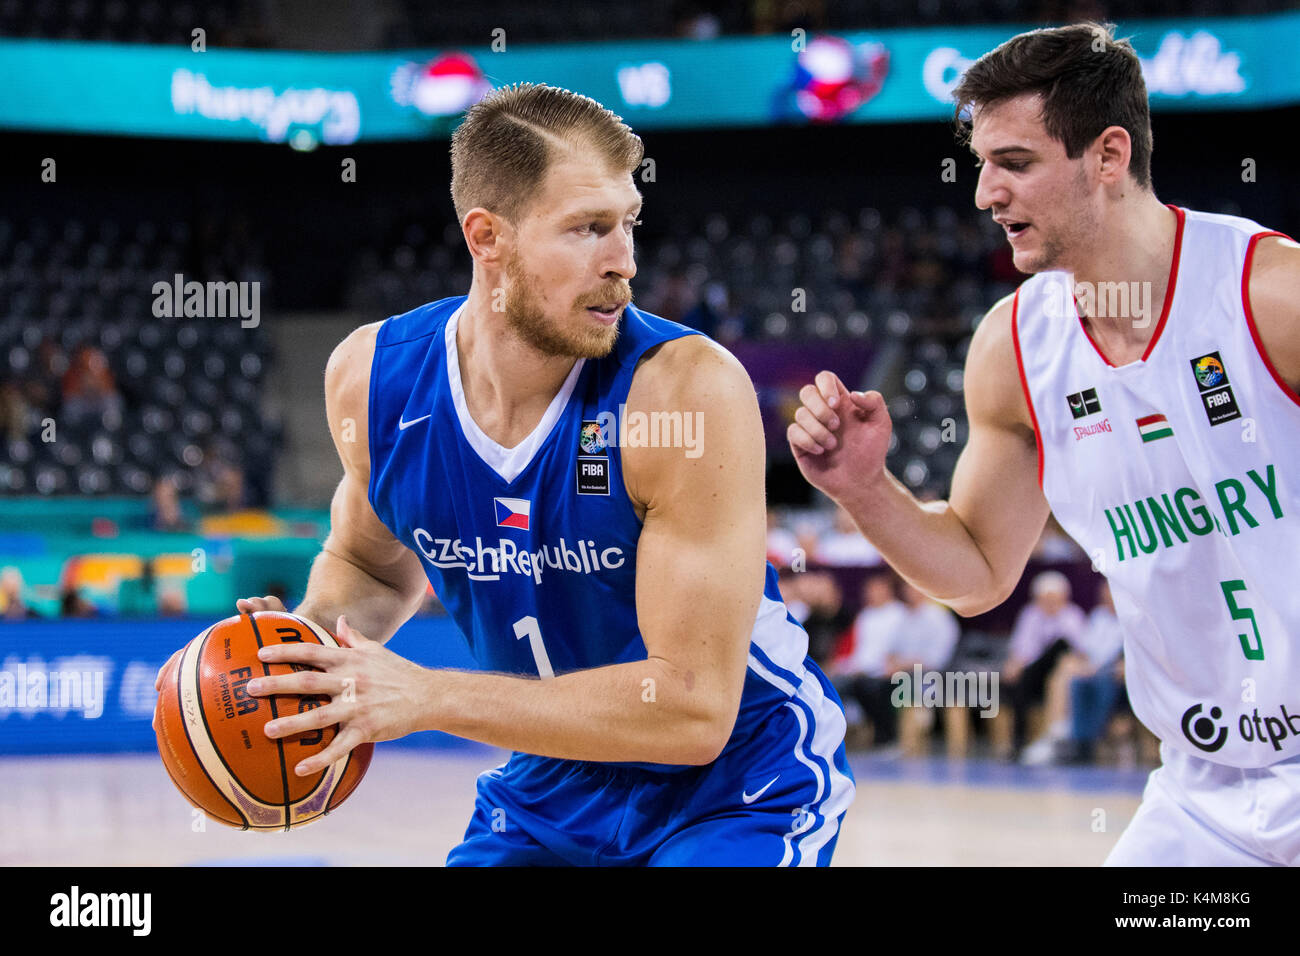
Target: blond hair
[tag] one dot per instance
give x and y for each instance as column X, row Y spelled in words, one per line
column 508, row 140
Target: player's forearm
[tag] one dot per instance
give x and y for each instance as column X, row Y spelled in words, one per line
column 925, row 542
column 337, row 586
column 643, row 711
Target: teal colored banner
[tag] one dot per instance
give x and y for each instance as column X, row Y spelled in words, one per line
column 334, row 98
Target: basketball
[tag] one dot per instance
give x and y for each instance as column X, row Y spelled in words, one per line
column 210, row 729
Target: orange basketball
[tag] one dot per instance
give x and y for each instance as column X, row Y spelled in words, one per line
column 210, row 731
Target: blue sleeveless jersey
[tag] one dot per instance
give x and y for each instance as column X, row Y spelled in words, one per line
column 532, row 550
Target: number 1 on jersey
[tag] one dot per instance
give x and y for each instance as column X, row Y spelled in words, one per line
column 1253, row 653
column 529, row 628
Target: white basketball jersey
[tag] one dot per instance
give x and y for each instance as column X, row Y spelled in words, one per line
column 1179, row 473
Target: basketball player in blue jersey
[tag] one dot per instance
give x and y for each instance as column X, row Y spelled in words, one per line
column 1164, row 439
column 636, row 654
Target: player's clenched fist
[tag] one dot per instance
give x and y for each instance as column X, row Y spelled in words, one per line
column 839, row 438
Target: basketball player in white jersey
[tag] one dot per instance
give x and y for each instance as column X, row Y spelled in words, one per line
column 1166, row 440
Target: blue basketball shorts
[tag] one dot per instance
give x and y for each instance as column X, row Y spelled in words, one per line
column 774, row 797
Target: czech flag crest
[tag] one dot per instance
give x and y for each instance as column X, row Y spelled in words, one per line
column 513, row 512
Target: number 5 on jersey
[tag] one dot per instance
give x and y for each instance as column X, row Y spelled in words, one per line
column 1253, row 652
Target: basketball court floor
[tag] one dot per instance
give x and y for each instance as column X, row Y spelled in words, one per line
column 414, row 804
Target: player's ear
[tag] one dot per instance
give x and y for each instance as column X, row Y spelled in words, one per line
column 1114, row 147
column 484, row 234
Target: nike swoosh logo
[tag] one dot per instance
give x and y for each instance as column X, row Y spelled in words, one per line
column 403, row 426
column 751, row 797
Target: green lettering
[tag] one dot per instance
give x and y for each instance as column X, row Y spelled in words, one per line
column 1165, row 519
column 1269, row 489
column 1121, row 531
column 1205, row 526
column 1239, row 493
column 1146, row 523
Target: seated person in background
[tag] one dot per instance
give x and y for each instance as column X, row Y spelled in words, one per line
column 166, row 514
column 1096, row 680
column 13, row 606
column 827, row 619
column 929, row 634
column 89, row 390
column 1045, row 630
column 171, row 601
column 864, row 674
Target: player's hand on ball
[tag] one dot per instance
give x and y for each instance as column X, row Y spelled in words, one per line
column 374, row 694
column 171, row 665
column 839, row 438
column 253, row 605
column 243, row 605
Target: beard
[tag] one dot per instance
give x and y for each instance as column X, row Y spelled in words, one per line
column 1065, row 241
column 578, row 340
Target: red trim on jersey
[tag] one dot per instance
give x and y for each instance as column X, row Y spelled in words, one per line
column 1024, row 384
column 1287, row 390
column 1169, row 295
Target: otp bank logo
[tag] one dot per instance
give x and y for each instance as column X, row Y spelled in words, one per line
column 1203, row 732
column 512, row 512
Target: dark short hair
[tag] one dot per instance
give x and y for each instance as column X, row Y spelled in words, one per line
column 501, row 151
column 1088, row 81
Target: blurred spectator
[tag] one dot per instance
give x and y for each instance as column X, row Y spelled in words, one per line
column 171, row 601
column 89, row 390
column 72, row 604
column 824, row 616
column 805, row 537
column 929, row 634
column 219, row 479
column 1097, row 680
column 44, row 386
column 864, row 674
column 790, row 585
column 166, row 514
column 14, row 411
column 1045, row 629
column 1055, row 545
column 670, row 295
column 844, row 545
column 12, row 604
column 715, row 315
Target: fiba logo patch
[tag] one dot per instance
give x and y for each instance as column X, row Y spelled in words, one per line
column 1209, row 370
column 592, row 465
column 1215, row 390
column 1201, row 731
column 590, row 441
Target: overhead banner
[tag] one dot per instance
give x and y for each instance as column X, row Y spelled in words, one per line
column 306, row 99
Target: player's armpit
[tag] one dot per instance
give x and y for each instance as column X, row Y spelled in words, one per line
column 363, row 569
column 701, row 553
column 995, row 491
column 1274, row 303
